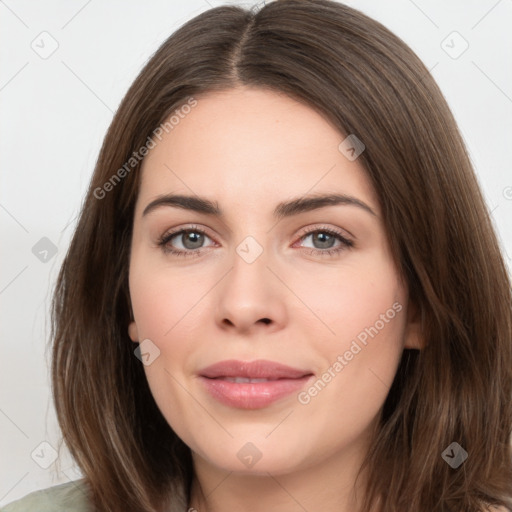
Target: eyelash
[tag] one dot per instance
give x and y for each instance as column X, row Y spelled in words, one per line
column 164, row 240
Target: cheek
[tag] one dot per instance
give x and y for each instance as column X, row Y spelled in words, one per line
column 359, row 362
column 158, row 307
column 164, row 305
column 363, row 311
column 353, row 297
column 161, row 298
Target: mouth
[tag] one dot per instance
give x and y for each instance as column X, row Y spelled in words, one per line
column 242, row 380
column 252, row 385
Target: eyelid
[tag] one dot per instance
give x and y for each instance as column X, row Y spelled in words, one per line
column 311, row 228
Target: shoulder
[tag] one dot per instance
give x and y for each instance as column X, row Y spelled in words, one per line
column 68, row 497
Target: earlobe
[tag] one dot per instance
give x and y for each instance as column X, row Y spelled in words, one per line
column 133, row 332
column 413, row 337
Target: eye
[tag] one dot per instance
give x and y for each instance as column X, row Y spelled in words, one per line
column 191, row 239
column 325, row 239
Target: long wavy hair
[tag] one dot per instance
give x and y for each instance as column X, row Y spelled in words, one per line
column 368, row 82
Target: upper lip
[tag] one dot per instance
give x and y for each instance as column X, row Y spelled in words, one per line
column 259, row 369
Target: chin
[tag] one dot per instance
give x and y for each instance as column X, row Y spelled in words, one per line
column 249, row 460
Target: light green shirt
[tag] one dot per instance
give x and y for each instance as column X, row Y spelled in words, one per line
column 68, row 497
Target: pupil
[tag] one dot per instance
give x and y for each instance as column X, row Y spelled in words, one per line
column 327, row 238
column 189, row 237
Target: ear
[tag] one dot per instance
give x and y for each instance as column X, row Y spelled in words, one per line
column 413, row 336
column 133, row 332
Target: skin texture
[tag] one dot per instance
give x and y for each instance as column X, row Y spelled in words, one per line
column 249, row 149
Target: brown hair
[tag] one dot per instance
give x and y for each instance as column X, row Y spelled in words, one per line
column 367, row 82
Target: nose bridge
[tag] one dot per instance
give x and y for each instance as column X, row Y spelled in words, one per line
column 249, row 275
column 250, row 290
column 251, row 250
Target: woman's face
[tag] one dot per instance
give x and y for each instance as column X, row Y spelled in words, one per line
column 312, row 287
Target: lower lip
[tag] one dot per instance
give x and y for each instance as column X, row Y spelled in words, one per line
column 255, row 395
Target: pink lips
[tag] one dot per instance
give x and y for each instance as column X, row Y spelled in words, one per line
column 274, row 381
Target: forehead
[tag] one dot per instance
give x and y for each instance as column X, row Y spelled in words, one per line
column 251, row 144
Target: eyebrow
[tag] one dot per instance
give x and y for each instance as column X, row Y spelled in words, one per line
column 282, row 210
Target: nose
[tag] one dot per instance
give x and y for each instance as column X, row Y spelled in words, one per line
column 251, row 297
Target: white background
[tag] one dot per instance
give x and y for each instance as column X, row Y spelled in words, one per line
column 55, row 112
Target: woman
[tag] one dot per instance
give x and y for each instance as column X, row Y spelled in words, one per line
column 284, row 291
